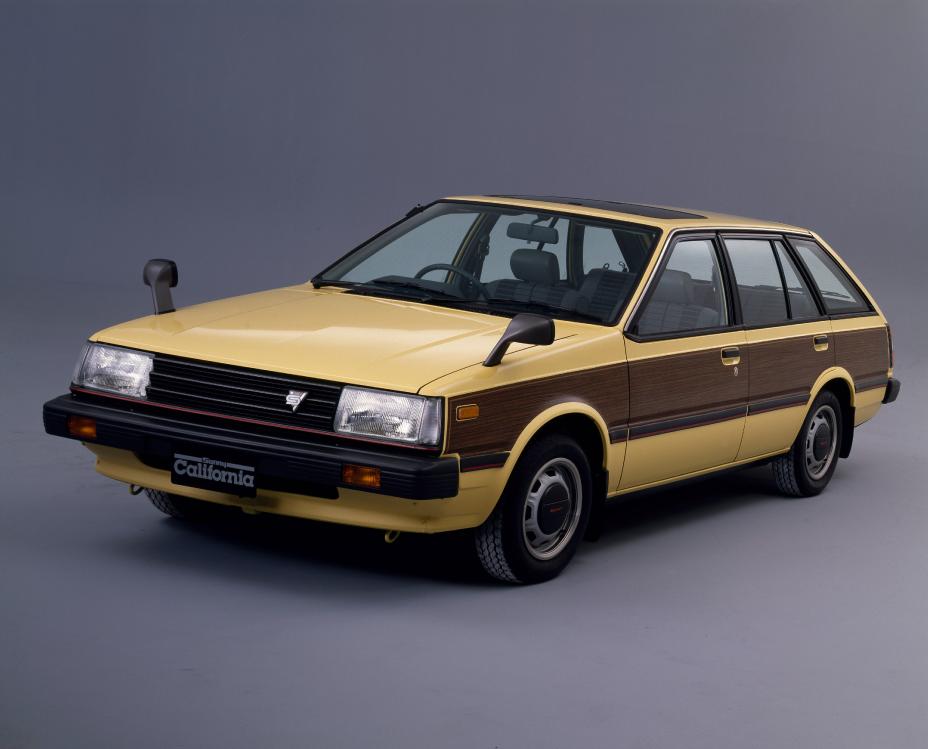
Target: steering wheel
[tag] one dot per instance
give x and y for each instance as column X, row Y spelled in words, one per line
column 454, row 269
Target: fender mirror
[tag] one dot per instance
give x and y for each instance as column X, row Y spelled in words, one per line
column 161, row 276
column 523, row 328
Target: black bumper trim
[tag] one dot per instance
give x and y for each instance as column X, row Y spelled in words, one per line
column 870, row 383
column 892, row 390
column 483, row 460
column 308, row 467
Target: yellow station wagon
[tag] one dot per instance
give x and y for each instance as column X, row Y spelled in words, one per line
column 496, row 363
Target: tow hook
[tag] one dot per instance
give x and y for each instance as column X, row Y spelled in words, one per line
column 391, row 536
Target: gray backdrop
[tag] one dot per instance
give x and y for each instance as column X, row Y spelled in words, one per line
column 255, row 142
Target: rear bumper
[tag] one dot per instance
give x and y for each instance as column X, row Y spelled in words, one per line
column 295, row 466
column 892, row 390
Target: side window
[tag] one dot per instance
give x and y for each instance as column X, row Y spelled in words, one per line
column 689, row 294
column 799, row 296
column 837, row 290
column 501, row 245
column 757, row 276
column 601, row 250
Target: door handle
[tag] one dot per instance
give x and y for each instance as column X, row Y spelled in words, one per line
column 820, row 342
column 731, row 355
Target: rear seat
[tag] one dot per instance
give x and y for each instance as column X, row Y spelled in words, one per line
column 672, row 307
column 537, row 279
column 762, row 305
column 602, row 290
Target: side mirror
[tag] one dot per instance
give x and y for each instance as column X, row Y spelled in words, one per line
column 161, row 276
column 523, row 328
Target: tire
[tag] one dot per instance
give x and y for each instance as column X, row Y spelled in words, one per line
column 526, row 539
column 177, row 506
column 810, row 463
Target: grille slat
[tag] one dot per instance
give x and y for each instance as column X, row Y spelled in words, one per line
column 162, row 381
column 228, row 372
column 191, row 383
column 220, row 404
column 240, row 392
column 250, row 378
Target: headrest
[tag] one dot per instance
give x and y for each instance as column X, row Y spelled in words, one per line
column 674, row 286
column 535, row 266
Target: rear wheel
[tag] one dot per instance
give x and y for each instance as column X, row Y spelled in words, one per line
column 179, row 507
column 808, row 467
column 540, row 520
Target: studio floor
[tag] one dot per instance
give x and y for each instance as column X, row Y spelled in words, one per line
column 718, row 615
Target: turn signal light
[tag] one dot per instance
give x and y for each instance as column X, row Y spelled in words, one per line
column 468, row 412
column 83, row 427
column 366, row 476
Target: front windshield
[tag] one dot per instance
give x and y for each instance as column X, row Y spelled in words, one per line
column 503, row 261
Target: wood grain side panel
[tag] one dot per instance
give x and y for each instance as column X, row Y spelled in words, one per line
column 507, row 410
column 786, row 367
column 684, row 384
column 863, row 353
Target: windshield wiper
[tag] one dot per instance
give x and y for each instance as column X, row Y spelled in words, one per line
column 542, row 308
column 318, row 282
column 404, row 291
column 401, row 284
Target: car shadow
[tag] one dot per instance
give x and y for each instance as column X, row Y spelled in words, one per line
column 310, row 556
column 292, row 552
column 632, row 516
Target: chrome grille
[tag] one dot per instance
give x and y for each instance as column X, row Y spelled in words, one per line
column 243, row 393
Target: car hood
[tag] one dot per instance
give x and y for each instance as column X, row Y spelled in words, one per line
column 322, row 333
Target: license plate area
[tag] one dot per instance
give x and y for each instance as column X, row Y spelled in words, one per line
column 221, row 473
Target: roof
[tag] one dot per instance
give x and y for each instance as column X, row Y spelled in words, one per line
column 654, row 215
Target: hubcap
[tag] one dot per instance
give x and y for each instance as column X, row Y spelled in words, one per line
column 552, row 508
column 821, row 442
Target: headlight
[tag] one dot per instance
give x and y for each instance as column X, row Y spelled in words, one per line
column 389, row 416
column 114, row 370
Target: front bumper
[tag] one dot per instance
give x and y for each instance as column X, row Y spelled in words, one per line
column 296, row 466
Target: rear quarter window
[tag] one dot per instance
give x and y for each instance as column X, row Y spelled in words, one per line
column 838, row 292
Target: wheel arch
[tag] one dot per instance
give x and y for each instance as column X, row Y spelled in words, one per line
column 839, row 381
column 583, row 423
column 576, row 419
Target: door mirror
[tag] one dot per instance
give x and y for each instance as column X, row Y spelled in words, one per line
column 161, row 276
column 523, row 328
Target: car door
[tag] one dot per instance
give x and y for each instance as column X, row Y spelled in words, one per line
column 687, row 365
column 788, row 337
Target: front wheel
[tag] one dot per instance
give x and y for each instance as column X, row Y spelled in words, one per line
column 180, row 507
column 807, row 468
column 541, row 518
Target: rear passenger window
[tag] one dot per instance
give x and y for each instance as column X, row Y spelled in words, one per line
column 757, row 276
column 688, row 295
column 837, row 290
column 798, row 295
